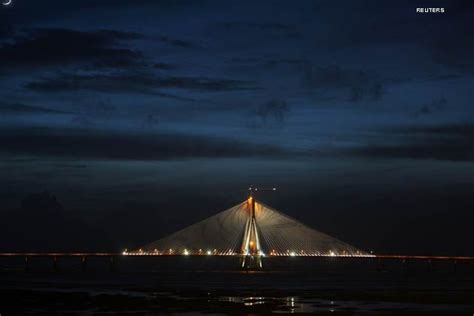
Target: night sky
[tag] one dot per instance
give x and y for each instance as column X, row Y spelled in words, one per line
column 141, row 117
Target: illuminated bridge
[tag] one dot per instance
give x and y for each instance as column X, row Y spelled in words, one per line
column 252, row 231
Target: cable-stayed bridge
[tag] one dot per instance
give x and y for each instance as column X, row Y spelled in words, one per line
column 251, row 230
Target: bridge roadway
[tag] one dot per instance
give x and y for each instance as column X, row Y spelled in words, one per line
column 118, row 254
column 112, row 257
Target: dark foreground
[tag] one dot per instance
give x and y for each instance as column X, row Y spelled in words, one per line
column 215, row 286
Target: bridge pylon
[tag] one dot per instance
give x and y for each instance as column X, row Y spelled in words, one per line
column 251, row 247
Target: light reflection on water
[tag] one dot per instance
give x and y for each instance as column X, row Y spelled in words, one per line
column 293, row 304
column 288, row 304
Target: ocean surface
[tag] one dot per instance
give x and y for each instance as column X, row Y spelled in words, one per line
column 148, row 286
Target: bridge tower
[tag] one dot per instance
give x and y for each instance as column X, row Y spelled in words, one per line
column 251, row 247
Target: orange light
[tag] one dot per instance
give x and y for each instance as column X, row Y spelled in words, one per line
column 251, row 243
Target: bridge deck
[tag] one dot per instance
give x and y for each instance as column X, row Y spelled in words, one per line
column 115, row 254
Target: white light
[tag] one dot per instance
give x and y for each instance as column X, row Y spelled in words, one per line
column 209, row 252
column 292, row 254
column 186, row 252
column 331, row 253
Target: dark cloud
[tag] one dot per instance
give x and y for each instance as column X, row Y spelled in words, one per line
column 88, row 144
column 175, row 42
column 298, row 64
column 273, row 26
column 458, row 150
column 23, row 108
column 446, row 77
column 70, row 165
column 273, row 110
column 83, row 121
column 206, row 84
column 46, row 47
column 150, row 121
column 133, row 82
column 434, row 106
column 164, row 66
column 245, row 60
column 119, row 83
column 101, row 107
column 358, row 84
column 373, row 92
column 423, row 110
column 457, row 130
column 265, row 29
column 334, row 76
column 442, row 142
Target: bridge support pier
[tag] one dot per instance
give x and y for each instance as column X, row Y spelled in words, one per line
column 55, row 264
column 112, row 264
column 27, row 263
column 404, row 265
column 251, row 262
column 84, row 263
